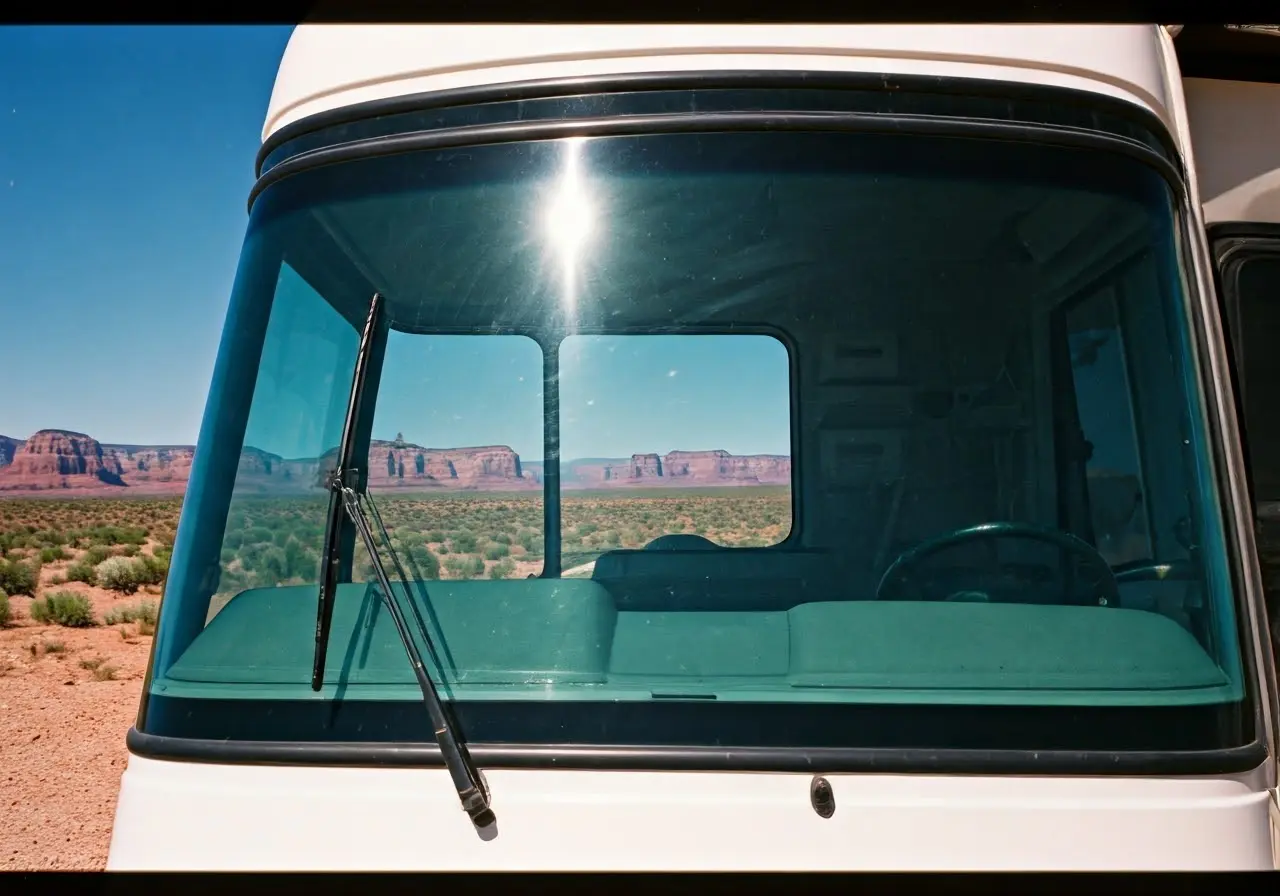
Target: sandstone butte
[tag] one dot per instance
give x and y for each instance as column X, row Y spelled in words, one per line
column 55, row 461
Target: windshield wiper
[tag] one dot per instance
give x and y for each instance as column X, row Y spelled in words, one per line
column 344, row 499
column 332, row 560
column 466, row 777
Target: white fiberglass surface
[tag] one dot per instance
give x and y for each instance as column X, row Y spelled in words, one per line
column 184, row 816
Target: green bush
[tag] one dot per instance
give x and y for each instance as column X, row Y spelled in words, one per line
column 463, row 542
column 146, row 613
column 531, row 541
column 120, row 574
column 6, row 610
column 53, row 555
column 496, row 551
column 502, row 569
column 95, row 555
column 63, row 608
column 461, row 566
column 113, row 535
column 420, row 562
column 152, row 570
column 80, row 571
column 19, row 577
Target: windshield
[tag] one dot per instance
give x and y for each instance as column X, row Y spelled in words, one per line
column 762, row 439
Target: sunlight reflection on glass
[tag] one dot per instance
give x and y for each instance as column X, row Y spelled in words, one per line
column 570, row 218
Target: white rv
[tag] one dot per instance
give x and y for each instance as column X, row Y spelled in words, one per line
column 1007, row 297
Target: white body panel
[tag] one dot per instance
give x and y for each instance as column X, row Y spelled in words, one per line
column 189, row 816
column 1235, row 127
column 328, row 66
column 183, row 816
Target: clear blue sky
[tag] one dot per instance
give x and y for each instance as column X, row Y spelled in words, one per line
column 619, row 395
column 126, row 156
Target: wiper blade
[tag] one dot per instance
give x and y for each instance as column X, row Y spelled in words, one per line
column 466, row 777
column 345, row 500
column 332, row 559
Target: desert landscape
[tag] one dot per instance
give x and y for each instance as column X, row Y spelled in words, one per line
column 86, row 531
column 57, row 460
column 81, row 582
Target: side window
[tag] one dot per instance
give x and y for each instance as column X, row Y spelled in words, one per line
column 275, row 522
column 1250, row 277
column 673, row 441
column 1257, row 286
column 1104, row 405
column 455, row 457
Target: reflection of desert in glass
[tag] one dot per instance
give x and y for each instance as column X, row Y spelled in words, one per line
column 495, row 535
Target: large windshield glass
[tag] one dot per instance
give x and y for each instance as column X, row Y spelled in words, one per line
column 747, row 438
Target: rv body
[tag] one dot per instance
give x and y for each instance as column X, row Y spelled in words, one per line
column 898, row 208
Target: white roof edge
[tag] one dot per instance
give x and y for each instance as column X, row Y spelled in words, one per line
column 329, row 66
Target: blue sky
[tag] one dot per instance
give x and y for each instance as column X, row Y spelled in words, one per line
column 126, row 156
column 619, row 395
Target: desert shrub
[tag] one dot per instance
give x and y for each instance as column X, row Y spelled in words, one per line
column 6, row 609
column 151, row 570
column 63, row 608
column 496, row 551
column 80, row 571
column 113, row 535
column 96, row 554
column 49, row 538
column 300, row 560
column 19, row 577
column 145, row 612
column 53, row 554
column 419, row 561
column 461, row 566
column 120, row 574
column 502, row 569
column 463, row 542
column 258, row 535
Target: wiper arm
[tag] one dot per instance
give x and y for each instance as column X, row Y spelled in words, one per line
column 466, row 777
column 332, row 559
column 344, row 499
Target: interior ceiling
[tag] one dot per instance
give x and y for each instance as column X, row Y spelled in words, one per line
column 689, row 248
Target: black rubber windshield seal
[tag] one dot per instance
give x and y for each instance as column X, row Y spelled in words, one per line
column 650, row 82
column 1232, row 760
column 718, row 122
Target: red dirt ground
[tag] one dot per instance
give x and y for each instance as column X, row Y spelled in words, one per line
column 63, row 718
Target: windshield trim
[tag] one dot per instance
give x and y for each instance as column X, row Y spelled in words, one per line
column 1228, row 760
column 717, row 122
column 1224, row 442
column 1203, row 292
column 646, row 82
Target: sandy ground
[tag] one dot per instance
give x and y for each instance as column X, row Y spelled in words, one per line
column 67, row 698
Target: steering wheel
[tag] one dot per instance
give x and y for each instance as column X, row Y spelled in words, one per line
column 1102, row 581
column 1154, row 571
